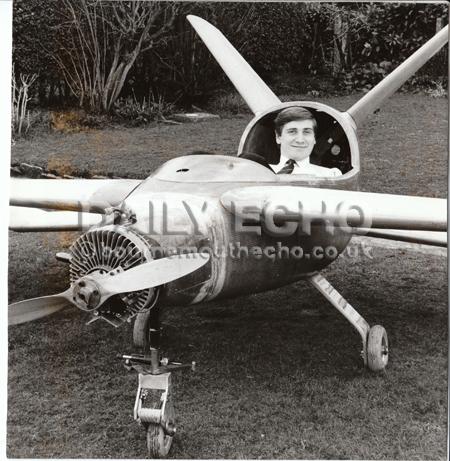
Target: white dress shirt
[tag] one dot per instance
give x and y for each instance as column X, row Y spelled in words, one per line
column 305, row 167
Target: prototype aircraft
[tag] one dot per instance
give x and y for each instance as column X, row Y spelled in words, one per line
column 198, row 225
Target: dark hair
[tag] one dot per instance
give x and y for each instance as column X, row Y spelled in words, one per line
column 293, row 113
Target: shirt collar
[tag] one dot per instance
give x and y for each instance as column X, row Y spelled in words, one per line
column 303, row 163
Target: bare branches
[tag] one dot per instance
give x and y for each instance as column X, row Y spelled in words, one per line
column 19, row 102
column 103, row 41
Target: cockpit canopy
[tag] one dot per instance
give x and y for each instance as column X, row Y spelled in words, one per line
column 336, row 143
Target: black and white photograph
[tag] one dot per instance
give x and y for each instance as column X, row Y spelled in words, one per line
column 228, row 230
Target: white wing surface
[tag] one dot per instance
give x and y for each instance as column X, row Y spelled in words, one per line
column 339, row 207
column 23, row 219
column 423, row 237
column 70, row 194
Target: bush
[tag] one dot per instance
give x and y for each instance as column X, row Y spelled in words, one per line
column 228, row 104
column 76, row 120
column 396, row 31
column 139, row 113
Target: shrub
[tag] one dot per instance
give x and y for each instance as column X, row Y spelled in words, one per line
column 139, row 113
column 228, row 103
column 437, row 90
column 76, row 120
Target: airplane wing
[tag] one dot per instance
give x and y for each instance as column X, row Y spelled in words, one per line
column 70, row 194
column 251, row 87
column 24, row 219
column 64, row 204
column 382, row 213
column 423, row 237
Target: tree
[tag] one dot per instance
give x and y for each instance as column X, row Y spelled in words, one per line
column 189, row 70
column 19, row 101
column 33, row 39
column 101, row 42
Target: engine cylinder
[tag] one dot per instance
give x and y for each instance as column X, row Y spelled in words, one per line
column 106, row 249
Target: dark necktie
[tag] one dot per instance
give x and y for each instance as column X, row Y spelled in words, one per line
column 288, row 167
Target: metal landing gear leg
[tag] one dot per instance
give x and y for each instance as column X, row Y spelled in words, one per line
column 154, row 410
column 153, row 407
column 375, row 351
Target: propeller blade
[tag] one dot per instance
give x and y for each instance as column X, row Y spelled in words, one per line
column 251, row 87
column 36, row 308
column 153, row 273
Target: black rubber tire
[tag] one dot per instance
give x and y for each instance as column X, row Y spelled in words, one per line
column 140, row 329
column 377, row 348
column 142, row 321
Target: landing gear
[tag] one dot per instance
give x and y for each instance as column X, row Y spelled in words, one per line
column 375, row 352
column 377, row 348
column 154, row 410
column 153, row 407
column 158, row 442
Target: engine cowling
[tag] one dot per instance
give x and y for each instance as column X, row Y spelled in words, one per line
column 113, row 249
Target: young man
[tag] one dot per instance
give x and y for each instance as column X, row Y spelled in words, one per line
column 295, row 132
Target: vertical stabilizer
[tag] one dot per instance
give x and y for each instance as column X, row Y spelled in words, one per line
column 390, row 84
column 249, row 84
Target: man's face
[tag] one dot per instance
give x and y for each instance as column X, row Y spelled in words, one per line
column 297, row 139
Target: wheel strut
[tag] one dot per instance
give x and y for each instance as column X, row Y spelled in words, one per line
column 375, row 352
column 153, row 406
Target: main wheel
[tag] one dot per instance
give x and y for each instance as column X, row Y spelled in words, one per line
column 143, row 323
column 377, row 348
column 140, row 329
column 159, row 440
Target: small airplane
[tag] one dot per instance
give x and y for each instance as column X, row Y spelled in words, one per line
column 198, row 225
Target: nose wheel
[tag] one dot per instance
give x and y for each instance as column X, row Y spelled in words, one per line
column 154, row 410
column 158, row 443
column 153, row 407
column 160, row 436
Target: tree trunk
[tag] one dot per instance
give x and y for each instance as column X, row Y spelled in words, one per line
column 340, row 44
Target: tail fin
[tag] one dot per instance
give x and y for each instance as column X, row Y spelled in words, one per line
column 251, row 87
column 390, row 84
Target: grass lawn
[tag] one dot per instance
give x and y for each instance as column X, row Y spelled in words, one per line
column 279, row 374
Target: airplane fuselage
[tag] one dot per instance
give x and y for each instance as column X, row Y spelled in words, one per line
column 246, row 255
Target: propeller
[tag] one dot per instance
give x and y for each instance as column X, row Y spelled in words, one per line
column 36, row 308
column 90, row 292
